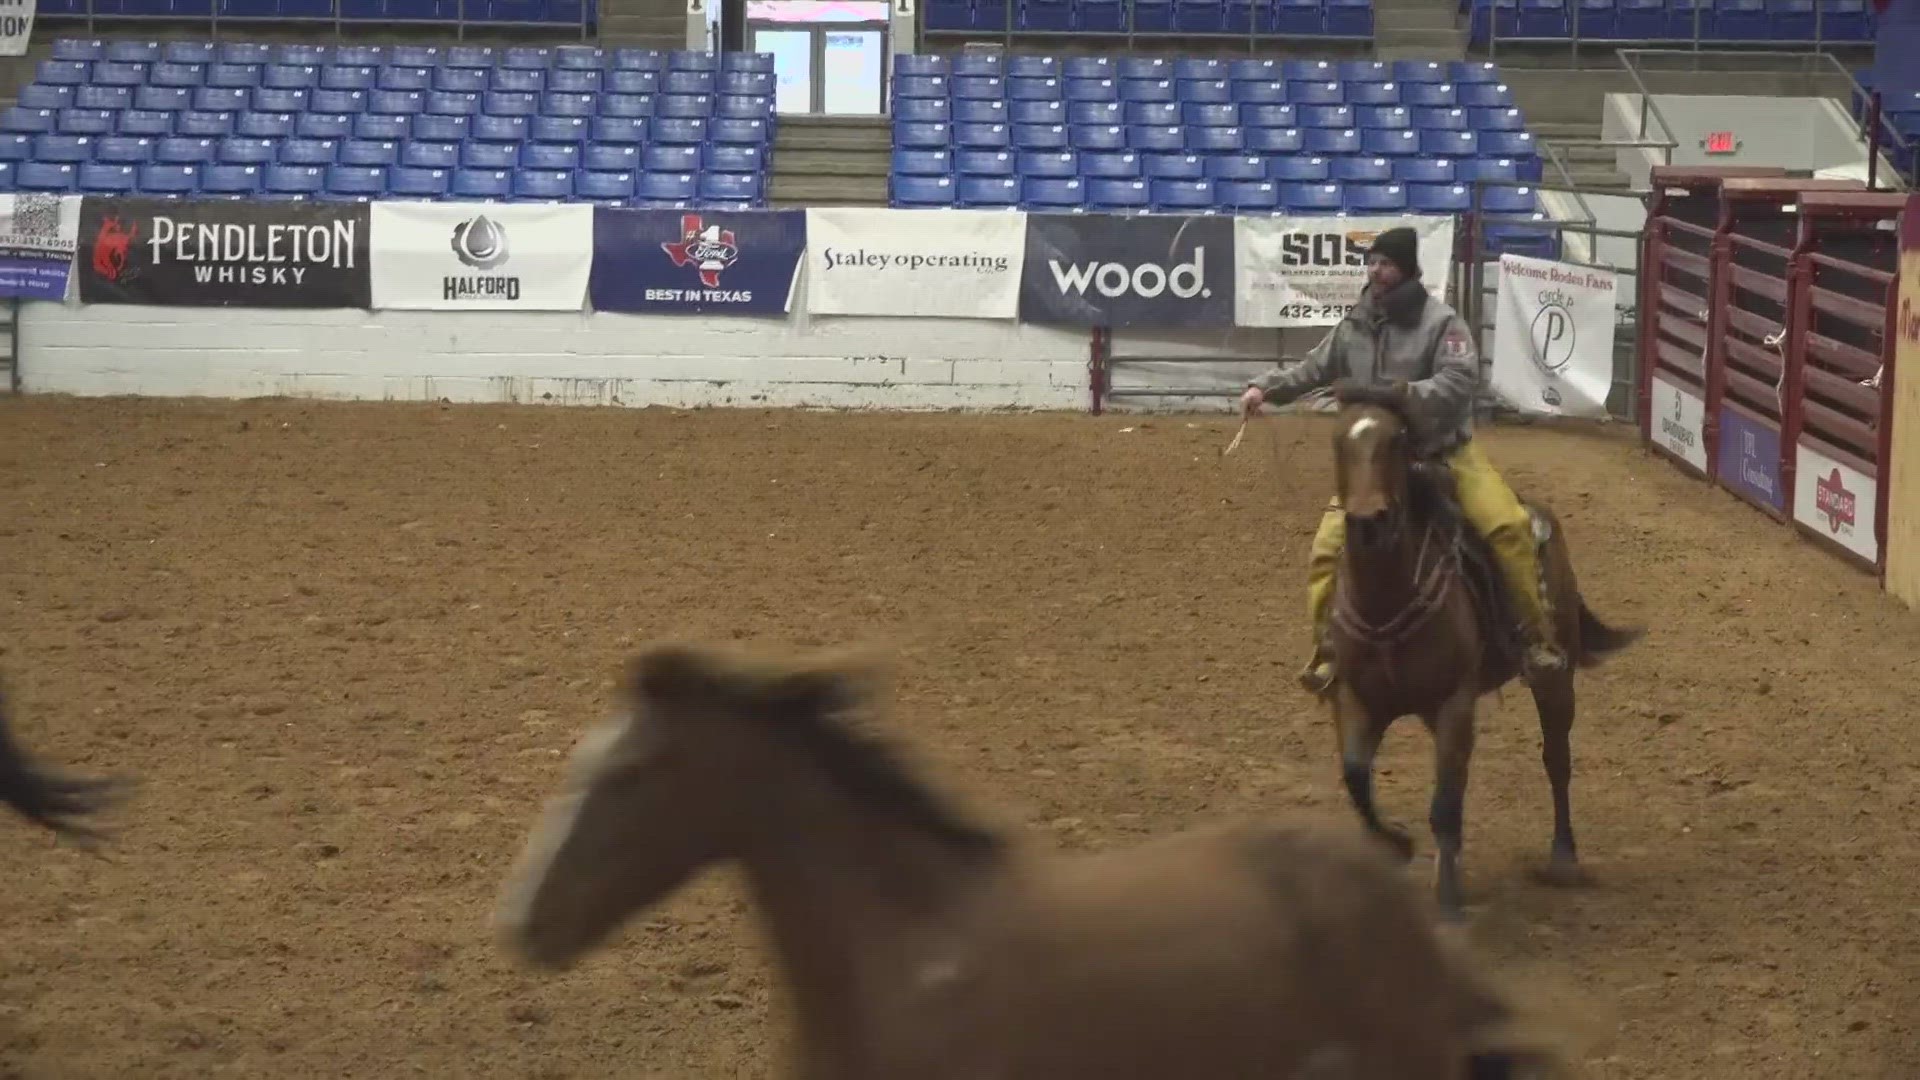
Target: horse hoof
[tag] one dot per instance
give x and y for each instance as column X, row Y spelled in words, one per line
column 1399, row 840
column 1563, row 872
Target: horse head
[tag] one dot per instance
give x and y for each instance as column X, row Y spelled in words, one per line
column 1373, row 459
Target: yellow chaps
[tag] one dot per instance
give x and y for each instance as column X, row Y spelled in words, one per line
column 1492, row 508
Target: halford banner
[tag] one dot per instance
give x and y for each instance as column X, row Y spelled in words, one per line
column 217, row 253
column 481, row 256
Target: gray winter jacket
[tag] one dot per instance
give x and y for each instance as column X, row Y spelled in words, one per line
column 1410, row 336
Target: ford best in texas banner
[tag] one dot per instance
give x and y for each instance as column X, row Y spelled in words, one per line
column 481, row 256
column 1144, row 271
column 38, row 235
column 1308, row 271
column 219, row 253
column 928, row 264
column 696, row 262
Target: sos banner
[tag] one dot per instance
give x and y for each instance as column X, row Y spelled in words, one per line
column 217, row 253
column 1308, row 271
column 481, row 256
column 696, row 262
column 1147, row 271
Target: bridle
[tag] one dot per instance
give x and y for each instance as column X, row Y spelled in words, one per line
column 1430, row 588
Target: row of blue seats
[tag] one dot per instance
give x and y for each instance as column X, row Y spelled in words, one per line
column 602, row 157
column 552, row 129
column 1386, row 117
column 343, row 181
column 34, row 102
column 1202, row 92
column 1186, row 196
column 1290, row 169
column 1337, row 19
column 340, row 77
column 527, row 57
column 475, row 12
column 1192, row 139
column 1195, row 69
column 1672, row 20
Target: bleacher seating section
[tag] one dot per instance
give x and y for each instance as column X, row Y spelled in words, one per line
column 583, row 13
column 1332, row 19
column 1207, row 135
column 630, row 127
column 1657, row 21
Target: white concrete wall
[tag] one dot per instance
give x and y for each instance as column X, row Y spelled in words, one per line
column 564, row 358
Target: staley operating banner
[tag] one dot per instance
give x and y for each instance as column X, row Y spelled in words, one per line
column 219, row 253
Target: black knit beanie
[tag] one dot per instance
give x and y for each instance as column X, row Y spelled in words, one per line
column 1401, row 246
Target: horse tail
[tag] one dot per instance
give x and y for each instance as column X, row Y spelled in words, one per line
column 1599, row 641
column 50, row 799
column 1504, row 1041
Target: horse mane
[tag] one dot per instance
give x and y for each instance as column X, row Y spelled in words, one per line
column 803, row 706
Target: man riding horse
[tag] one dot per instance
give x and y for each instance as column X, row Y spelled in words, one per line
column 1398, row 333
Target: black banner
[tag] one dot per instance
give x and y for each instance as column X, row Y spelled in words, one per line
column 1128, row 271
column 216, row 253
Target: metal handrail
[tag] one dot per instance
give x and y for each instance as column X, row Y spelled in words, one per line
column 1560, row 166
column 1810, row 64
column 1647, row 106
column 1818, row 42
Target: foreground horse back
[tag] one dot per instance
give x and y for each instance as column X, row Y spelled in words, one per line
column 50, row 799
column 921, row 944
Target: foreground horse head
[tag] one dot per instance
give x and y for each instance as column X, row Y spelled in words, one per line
column 919, row 942
column 59, row 803
column 1421, row 626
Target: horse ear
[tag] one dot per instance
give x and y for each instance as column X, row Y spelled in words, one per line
column 669, row 669
column 832, row 684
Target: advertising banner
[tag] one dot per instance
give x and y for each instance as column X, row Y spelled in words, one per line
column 1748, row 457
column 1553, row 337
column 1149, row 271
column 1836, row 501
column 929, row 264
column 219, row 253
column 481, row 256
column 38, row 235
column 696, row 262
column 1308, row 271
column 16, row 26
column 1679, row 423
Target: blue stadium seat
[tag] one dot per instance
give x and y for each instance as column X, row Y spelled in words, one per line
column 161, row 179
column 46, row 176
column 1247, row 196
column 543, row 185
column 667, row 187
column 407, row 183
column 730, row 187
column 102, row 178
column 1439, row 198
column 483, row 184
column 907, row 191
column 358, row 182
column 16, row 148
column 240, row 150
column 1047, row 166
column 1117, row 195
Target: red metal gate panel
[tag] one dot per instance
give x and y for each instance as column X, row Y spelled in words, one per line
column 1845, row 309
column 1675, row 309
column 1750, row 337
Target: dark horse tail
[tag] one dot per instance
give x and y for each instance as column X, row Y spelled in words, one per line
column 1599, row 641
column 48, row 798
column 1505, row 1041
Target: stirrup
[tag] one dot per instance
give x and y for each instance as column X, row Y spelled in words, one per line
column 1318, row 676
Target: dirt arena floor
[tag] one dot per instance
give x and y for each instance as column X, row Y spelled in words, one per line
column 345, row 646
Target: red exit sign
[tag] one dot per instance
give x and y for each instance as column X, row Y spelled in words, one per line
column 1721, row 142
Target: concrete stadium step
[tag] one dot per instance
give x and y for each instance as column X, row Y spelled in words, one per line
column 786, row 192
column 830, row 161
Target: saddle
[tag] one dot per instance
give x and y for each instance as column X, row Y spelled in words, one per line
column 1493, row 603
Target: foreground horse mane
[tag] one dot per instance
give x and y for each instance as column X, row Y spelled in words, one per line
column 805, row 710
column 1430, row 488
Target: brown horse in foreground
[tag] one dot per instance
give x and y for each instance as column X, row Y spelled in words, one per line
column 1422, row 626
column 48, row 798
column 922, row 945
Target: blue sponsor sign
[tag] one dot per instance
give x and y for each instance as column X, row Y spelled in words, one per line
column 696, row 262
column 1749, row 457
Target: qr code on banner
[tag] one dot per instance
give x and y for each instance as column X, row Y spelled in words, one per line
column 36, row 214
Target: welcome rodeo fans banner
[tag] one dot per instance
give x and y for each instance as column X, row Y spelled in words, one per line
column 957, row 264
column 1553, row 337
column 481, row 256
column 696, row 262
column 1149, row 272
column 1308, row 271
column 217, row 253
column 39, row 233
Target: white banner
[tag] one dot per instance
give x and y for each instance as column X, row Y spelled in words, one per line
column 16, row 26
column 931, row 264
column 1308, row 271
column 1837, row 501
column 481, row 256
column 1553, row 337
column 1679, row 422
column 39, row 233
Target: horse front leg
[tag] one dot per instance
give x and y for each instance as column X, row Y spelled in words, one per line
column 1452, row 754
column 1360, row 734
